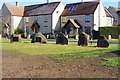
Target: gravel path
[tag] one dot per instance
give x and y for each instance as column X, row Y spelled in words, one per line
column 41, row 66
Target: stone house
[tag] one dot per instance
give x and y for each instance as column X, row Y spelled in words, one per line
column 52, row 17
column 116, row 14
column 0, row 17
column 12, row 17
column 88, row 15
column 46, row 15
column 0, row 21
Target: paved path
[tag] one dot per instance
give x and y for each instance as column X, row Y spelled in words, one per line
column 75, row 41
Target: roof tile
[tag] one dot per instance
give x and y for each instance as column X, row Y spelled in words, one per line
column 83, row 8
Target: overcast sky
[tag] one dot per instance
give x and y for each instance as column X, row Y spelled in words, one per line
column 107, row 3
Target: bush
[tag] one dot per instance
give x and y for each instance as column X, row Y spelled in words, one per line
column 19, row 31
column 96, row 34
column 113, row 31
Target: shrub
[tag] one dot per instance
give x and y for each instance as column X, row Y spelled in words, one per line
column 19, row 31
column 113, row 31
column 96, row 34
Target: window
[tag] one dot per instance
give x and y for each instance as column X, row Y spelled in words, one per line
column 87, row 18
column 73, row 7
column 64, row 19
column 46, row 19
column 27, row 19
column 45, row 26
column 88, row 30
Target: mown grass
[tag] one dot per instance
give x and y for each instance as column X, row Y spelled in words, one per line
column 62, row 52
column 110, row 62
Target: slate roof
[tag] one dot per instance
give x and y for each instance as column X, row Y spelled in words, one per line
column 115, row 8
column 83, row 8
column 108, row 14
column 14, row 10
column 73, row 22
column 41, row 9
column 32, row 10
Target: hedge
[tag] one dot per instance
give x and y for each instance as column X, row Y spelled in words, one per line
column 113, row 31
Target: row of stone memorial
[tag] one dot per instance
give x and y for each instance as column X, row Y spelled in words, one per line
column 83, row 39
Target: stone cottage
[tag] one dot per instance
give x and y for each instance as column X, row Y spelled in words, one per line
column 46, row 15
column 12, row 15
column 88, row 16
column 116, row 14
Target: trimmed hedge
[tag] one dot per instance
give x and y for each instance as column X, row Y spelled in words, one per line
column 19, row 31
column 113, row 31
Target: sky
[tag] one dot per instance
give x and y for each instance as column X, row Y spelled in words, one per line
column 106, row 3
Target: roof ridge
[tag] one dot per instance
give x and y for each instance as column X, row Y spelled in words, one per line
column 83, row 2
column 43, row 4
column 38, row 5
column 12, row 4
column 108, row 12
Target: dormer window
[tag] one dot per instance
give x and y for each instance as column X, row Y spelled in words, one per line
column 72, row 8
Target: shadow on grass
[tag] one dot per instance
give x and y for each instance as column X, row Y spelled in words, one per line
column 78, row 55
column 84, row 54
column 117, row 52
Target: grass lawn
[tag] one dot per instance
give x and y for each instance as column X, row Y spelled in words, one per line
column 25, row 47
column 61, row 52
column 113, row 62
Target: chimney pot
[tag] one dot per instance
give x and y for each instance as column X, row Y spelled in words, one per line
column 48, row 1
column 17, row 4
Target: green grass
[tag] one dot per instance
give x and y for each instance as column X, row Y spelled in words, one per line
column 114, row 40
column 110, row 62
column 61, row 52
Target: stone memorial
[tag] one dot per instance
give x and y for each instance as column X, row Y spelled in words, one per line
column 33, row 38
column 83, row 39
column 61, row 39
column 102, row 42
column 38, row 37
column 14, row 38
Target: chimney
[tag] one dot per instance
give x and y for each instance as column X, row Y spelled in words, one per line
column 48, row 1
column 17, row 4
column 81, row 0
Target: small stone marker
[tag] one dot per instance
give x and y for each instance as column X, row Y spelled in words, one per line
column 76, row 37
column 28, row 37
column 15, row 39
column 33, row 38
column 0, row 36
column 61, row 39
column 102, row 42
column 109, row 37
column 83, row 39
